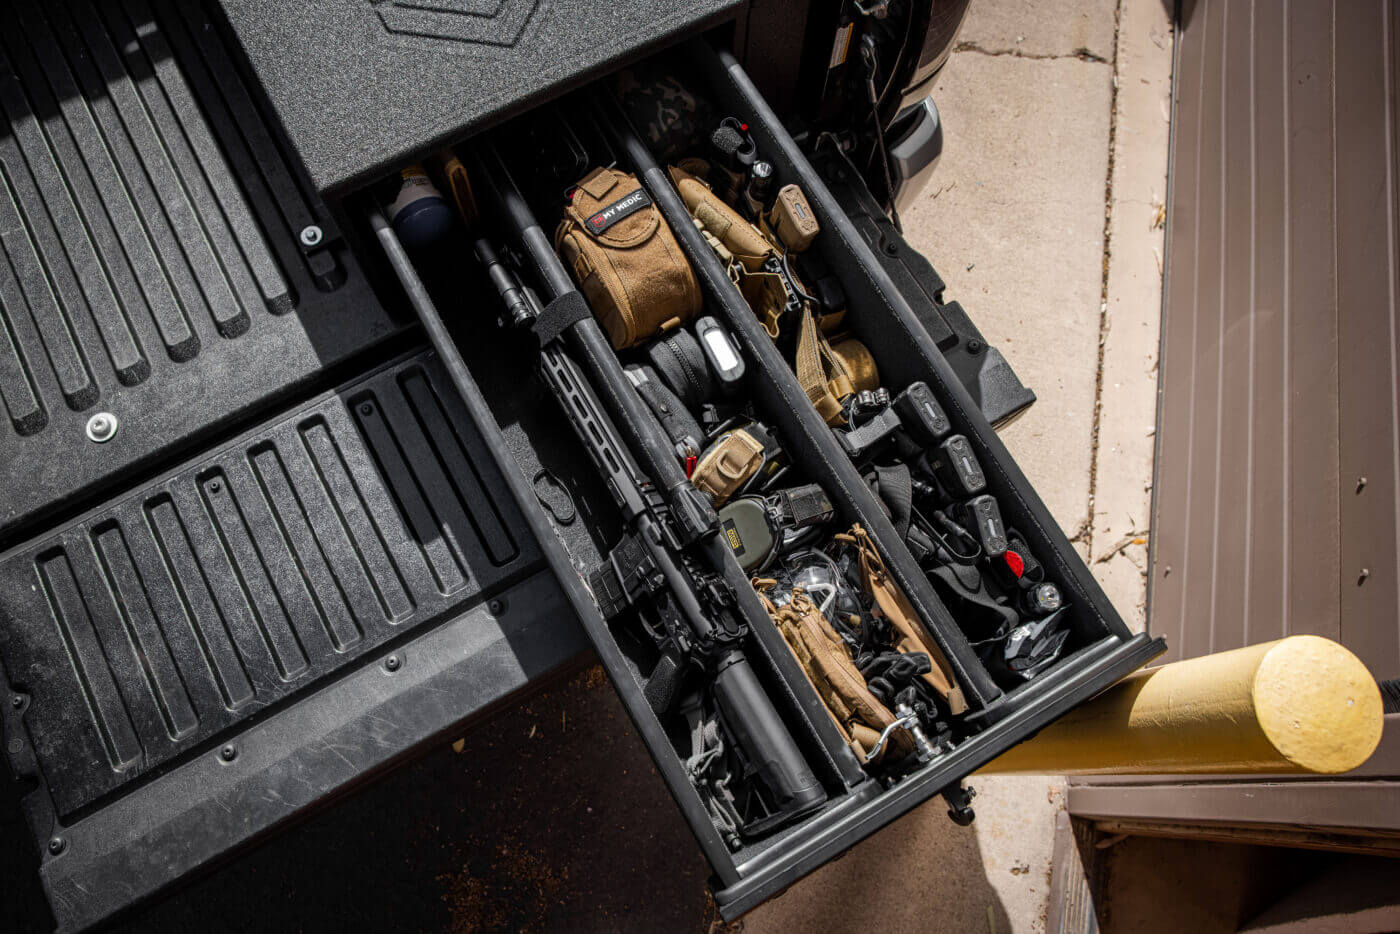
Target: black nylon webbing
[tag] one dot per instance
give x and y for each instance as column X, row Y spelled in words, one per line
column 559, row 314
column 895, row 488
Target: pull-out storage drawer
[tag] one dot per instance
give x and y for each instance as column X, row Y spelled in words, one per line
column 880, row 316
column 848, row 802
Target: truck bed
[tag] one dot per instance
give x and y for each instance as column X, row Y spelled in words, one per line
column 306, row 552
column 292, row 544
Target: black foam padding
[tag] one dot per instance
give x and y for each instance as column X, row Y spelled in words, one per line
column 360, row 87
column 151, row 265
column 240, row 580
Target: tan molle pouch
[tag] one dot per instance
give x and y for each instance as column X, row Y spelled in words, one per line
column 625, row 259
column 739, row 237
column 792, row 219
column 767, row 294
column 726, row 464
column 741, row 246
column 827, row 663
column 895, row 608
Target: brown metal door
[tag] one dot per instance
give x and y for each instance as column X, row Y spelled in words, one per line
column 1278, row 461
column 1277, row 466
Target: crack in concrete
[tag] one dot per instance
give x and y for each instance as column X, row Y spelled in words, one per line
column 1082, row 54
column 1103, row 288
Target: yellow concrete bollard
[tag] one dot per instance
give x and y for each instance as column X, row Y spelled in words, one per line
column 1301, row 704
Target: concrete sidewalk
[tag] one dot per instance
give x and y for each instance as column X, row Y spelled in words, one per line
column 1045, row 219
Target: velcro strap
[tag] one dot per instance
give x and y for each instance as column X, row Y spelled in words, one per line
column 714, row 220
column 559, row 314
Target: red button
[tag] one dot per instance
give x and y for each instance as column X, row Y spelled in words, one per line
column 1015, row 562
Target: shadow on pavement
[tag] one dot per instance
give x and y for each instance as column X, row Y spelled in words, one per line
column 922, row 873
column 551, row 817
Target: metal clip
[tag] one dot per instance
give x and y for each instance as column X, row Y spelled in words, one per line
column 908, row 720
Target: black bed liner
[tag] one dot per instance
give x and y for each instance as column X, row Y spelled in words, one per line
column 262, row 627
column 151, row 261
column 250, row 574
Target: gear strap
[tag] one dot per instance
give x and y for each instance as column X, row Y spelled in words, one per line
column 565, row 310
column 820, row 372
column 895, row 487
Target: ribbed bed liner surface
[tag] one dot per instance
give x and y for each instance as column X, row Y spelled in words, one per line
column 152, row 263
column 142, row 630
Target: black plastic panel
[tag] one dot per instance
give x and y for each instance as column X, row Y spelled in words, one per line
column 980, row 367
column 151, row 260
column 144, row 629
column 362, row 86
column 301, row 757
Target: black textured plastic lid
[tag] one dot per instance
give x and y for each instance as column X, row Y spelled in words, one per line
column 362, row 86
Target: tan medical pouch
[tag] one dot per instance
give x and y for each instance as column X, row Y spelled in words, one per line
column 625, row 259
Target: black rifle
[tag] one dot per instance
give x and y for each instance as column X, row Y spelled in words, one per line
column 643, row 569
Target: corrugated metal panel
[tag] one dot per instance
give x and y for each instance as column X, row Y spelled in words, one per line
column 1279, row 356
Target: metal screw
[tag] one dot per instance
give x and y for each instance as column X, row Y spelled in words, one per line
column 974, row 346
column 57, row 845
column 310, row 235
column 495, row 606
column 392, row 663
column 366, row 409
column 891, row 248
column 101, row 427
column 1360, row 484
column 1361, row 578
column 228, row 753
column 17, row 702
column 215, row 486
